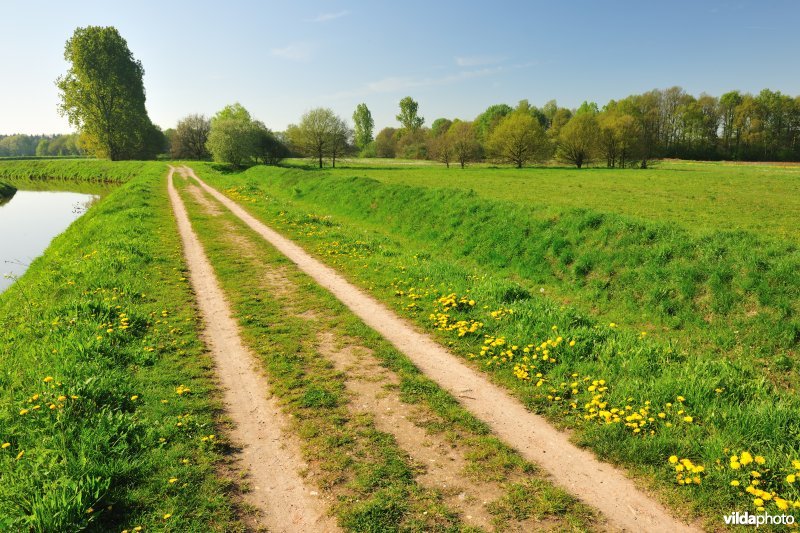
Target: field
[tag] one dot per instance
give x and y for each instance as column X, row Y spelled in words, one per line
column 106, row 394
column 685, row 340
column 665, row 341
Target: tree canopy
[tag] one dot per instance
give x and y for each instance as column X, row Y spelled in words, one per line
column 102, row 94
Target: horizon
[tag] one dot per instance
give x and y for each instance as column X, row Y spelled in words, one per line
column 282, row 60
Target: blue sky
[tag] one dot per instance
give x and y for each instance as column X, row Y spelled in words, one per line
column 280, row 59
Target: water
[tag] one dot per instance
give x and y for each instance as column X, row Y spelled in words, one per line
column 29, row 221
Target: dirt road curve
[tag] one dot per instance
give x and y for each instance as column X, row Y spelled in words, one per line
column 597, row 483
column 269, row 455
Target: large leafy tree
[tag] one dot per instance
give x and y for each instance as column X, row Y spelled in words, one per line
column 363, row 126
column 519, row 139
column 320, row 134
column 578, row 139
column 409, row 115
column 102, row 94
column 190, row 137
column 233, row 137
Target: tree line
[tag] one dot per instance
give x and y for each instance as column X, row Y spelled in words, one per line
column 21, row 145
column 102, row 94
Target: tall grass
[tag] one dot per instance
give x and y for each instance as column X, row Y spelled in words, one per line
column 91, row 170
column 106, row 403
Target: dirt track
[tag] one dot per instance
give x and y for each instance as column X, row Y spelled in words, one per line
column 597, row 483
column 269, row 455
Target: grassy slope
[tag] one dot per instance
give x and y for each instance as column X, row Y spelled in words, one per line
column 6, row 191
column 410, row 246
column 700, row 197
column 85, row 170
column 95, row 340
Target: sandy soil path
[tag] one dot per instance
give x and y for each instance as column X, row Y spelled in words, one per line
column 598, row 484
column 270, row 456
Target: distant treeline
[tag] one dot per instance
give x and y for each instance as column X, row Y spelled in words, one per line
column 656, row 124
column 21, row 145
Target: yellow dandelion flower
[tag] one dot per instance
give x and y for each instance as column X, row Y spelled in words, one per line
column 760, row 460
column 7, row 444
column 134, row 397
column 688, row 419
column 48, row 379
column 746, row 458
column 173, row 479
column 673, row 459
column 20, row 454
column 734, row 483
column 791, row 478
column 24, row 411
column 166, row 516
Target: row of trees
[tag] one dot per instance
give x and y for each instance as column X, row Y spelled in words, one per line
column 628, row 132
column 21, row 145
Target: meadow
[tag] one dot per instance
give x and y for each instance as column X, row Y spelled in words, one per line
column 667, row 348
column 108, row 415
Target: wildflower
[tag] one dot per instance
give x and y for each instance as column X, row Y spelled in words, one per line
column 688, row 419
column 89, row 510
column 134, row 397
column 758, row 502
column 791, row 478
column 734, row 483
column 7, row 444
column 20, row 454
column 746, row 458
column 166, row 516
column 24, row 411
column 760, row 460
column 48, row 379
column 173, row 479
column 673, row 459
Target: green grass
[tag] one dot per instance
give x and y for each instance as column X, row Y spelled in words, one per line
column 102, row 328
column 81, row 170
column 363, row 468
column 697, row 196
column 721, row 310
column 6, row 191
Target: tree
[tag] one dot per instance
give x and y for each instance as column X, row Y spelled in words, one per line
column 386, row 143
column 440, row 126
column 102, row 94
column 578, row 139
column 440, row 148
column 269, row 150
column 409, row 115
column 518, row 139
column 464, row 142
column 232, row 141
column 363, row 126
column 320, row 134
column 341, row 134
column 232, row 112
column 189, row 138
column 487, row 121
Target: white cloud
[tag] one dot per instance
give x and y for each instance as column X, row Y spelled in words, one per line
column 294, row 51
column 479, row 60
column 393, row 84
column 324, row 17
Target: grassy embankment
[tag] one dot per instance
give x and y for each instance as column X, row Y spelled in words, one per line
column 6, row 192
column 372, row 480
column 708, row 383
column 107, row 406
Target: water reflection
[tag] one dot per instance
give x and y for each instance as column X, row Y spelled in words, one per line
column 29, row 221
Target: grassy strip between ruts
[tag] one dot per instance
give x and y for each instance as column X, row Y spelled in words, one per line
column 370, row 478
column 734, row 436
column 107, row 406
